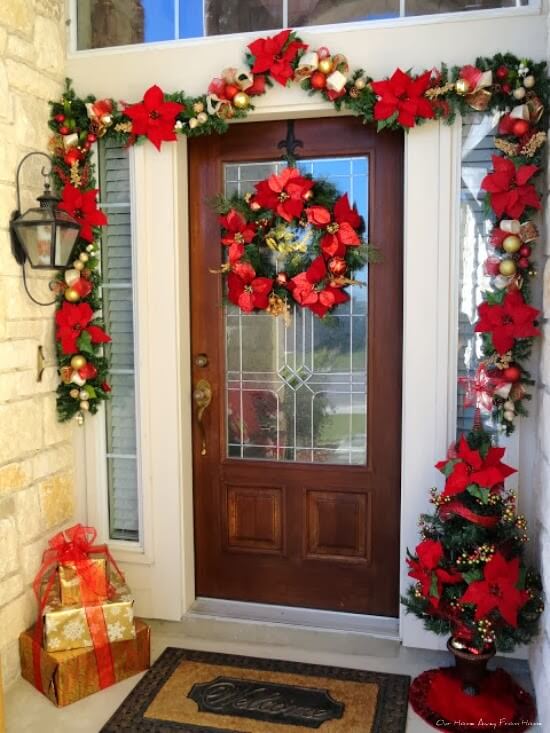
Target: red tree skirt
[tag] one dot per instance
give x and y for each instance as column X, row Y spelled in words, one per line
column 501, row 706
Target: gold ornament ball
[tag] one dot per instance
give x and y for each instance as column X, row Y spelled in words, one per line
column 325, row 65
column 75, row 394
column 511, row 243
column 79, row 419
column 202, row 117
column 509, row 405
column 509, row 415
column 529, row 81
column 507, row 268
column 85, row 405
column 241, row 100
column 83, row 394
column 83, row 257
column 462, row 86
column 193, row 122
column 78, row 361
column 198, row 107
column 71, row 295
column 78, row 265
column 360, row 83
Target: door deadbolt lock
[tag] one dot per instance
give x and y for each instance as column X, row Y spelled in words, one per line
column 201, row 360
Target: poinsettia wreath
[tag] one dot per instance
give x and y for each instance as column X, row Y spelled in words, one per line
column 295, row 238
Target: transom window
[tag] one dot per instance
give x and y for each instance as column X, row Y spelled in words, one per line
column 104, row 23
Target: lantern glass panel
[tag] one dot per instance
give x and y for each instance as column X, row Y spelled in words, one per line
column 66, row 238
column 35, row 231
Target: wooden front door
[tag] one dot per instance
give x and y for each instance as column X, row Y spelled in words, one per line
column 297, row 497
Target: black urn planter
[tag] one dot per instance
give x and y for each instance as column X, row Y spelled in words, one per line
column 471, row 668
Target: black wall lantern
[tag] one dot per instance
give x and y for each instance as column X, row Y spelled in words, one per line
column 44, row 235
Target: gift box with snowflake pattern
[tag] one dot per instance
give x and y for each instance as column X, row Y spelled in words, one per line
column 65, row 677
column 68, row 627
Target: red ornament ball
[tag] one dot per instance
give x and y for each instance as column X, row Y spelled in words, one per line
column 59, row 118
column 511, row 373
column 91, row 138
column 318, row 80
column 323, row 52
column 520, row 128
column 525, row 251
column 230, row 90
column 337, row 266
column 502, row 72
column 506, row 88
column 64, row 130
column 523, row 263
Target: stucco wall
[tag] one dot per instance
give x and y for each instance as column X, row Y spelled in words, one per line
column 36, row 453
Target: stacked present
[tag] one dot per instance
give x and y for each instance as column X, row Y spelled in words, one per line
column 86, row 637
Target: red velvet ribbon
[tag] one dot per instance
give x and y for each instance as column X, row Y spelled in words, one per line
column 75, row 545
column 455, row 507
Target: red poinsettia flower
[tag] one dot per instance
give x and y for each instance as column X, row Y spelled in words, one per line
column 314, row 290
column 498, row 590
column 507, row 321
column 341, row 231
column 82, row 206
column 72, row 319
column 275, row 55
column 238, row 232
column 285, row 193
column 508, row 187
column 425, row 570
column 154, row 117
column 470, row 467
column 404, row 95
column 246, row 290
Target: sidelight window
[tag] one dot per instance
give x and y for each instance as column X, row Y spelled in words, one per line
column 120, row 455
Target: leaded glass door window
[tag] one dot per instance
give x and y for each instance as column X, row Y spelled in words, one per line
column 296, row 390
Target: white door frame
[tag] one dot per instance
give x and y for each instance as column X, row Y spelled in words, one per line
column 161, row 570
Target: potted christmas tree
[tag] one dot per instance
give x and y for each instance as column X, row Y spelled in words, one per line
column 471, row 580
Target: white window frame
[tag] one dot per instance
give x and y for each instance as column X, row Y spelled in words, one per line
column 534, row 7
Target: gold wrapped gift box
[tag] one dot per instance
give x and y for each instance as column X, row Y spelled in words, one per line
column 69, row 581
column 66, row 627
column 71, row 675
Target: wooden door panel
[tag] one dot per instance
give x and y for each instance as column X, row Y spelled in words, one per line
column 306, row 534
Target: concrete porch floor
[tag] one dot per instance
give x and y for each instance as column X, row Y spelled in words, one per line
column 27, row 711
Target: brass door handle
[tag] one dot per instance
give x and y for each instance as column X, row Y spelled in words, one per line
column 202, row 397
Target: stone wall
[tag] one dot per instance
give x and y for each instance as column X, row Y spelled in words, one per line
column 36, row 454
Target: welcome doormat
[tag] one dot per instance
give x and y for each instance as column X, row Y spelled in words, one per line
column 204, row 692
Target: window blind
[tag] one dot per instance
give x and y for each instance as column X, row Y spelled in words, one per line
column 118, row 311
column 478, row 146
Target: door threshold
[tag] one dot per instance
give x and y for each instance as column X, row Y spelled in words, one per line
column 379, row 627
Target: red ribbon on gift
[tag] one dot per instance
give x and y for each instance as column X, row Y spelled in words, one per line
column 75, row 545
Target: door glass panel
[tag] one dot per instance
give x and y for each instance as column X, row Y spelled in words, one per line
column 297, row 392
